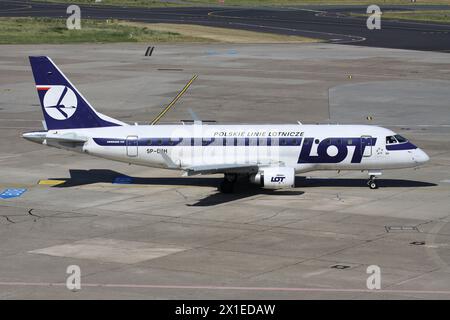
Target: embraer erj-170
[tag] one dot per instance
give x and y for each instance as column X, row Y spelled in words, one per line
column 268, row 155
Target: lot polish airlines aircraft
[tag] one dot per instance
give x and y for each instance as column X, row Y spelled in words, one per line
column 268, row 155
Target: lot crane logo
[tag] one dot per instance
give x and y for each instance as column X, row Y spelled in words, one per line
column 60, row 102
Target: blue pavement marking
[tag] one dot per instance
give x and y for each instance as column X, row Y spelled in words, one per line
column 123, row 180
column 12, row 193
column 213, row 52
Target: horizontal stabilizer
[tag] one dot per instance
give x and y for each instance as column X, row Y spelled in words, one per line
column 41, row 136
column 67, row 138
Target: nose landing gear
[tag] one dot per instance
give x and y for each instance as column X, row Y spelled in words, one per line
column 372, row 183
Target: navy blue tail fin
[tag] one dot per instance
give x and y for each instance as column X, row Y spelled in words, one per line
column 63, row 106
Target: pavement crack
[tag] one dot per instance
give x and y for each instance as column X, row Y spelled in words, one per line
column 393, row 285
column 267, row 218
column 32, row 214
column 303, row 260
column 8, row 219
column 181, row 194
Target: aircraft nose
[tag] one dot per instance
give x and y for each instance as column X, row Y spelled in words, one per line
column 420, row 156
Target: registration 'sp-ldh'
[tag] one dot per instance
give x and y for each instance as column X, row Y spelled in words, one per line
column 269, row 155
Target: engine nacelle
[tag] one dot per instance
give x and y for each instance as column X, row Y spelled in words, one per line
column 275, row 178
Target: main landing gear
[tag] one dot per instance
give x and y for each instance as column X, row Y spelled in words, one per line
column 227, row 185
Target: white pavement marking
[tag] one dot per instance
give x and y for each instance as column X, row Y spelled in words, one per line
column 110, row 250
column 194, row 287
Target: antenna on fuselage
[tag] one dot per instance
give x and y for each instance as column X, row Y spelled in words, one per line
column 172, row 103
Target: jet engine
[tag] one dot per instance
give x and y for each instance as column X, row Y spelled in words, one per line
column 274, row 178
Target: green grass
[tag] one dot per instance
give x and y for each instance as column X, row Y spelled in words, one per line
column 52, row 31
column 438, row 16
column 131, row 3
column 156, row 3
column 308, row 2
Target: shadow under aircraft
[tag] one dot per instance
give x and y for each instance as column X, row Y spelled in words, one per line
column 244, row 190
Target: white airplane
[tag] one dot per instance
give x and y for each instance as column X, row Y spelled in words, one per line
column 269, row 155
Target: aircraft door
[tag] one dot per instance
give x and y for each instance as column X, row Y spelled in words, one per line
column 366, row 145
column 132, row 146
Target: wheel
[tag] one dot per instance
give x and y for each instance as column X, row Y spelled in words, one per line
column 226, row 186
column 373, row 185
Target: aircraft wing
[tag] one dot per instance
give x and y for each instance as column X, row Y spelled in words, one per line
column 212, row 168
column 222, row 168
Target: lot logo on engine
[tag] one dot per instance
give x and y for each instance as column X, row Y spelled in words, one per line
column 60, row 102
column 278, row 179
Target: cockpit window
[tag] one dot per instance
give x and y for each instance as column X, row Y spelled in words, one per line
column 400, row 139
column 390, row 140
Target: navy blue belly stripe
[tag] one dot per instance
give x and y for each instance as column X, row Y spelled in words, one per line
column 170, row 142
column 400, row 146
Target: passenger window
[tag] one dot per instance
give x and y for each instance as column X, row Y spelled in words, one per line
column 149, row 142
column 400, row 139
column 390, row 140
